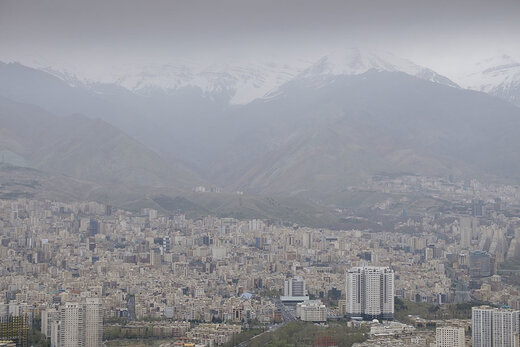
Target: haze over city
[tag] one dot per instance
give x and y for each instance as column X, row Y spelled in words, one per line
column 259, row 173
column 92, row 38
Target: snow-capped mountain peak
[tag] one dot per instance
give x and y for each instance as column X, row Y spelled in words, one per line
column 242, row 82
column 355, row 61
column 498, row 75
column 239, row 83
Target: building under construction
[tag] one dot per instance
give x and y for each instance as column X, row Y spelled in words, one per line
column 15, row 329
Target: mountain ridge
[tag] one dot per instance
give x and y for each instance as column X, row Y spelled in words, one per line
column 241, row 83
column 498, row 76
column 83, row 148
column 354, row 126
column 319, row 134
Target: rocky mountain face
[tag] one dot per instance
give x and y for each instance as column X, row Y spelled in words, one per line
column 498, row 76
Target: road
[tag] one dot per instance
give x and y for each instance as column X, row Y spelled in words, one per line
column 288, row 315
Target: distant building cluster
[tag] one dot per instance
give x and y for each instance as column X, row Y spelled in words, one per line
column 84, row 272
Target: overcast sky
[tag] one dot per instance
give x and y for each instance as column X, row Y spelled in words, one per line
column 99, row 33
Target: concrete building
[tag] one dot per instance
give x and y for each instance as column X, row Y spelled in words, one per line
column 480, row 264
column 494, row 327
column 93, row 322
column 47, row 317
column 72, row 325
column 80, row 324
column 155, row 257
column 15, row 328
column 370, row 293
column 294, row 290
column 311, row 311
column 294, row 287
column 449, row 336
column 307, row 240
column 390, row 329
column 465, row 232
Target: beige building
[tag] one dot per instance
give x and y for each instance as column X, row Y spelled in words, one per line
column 312, row 311
column 80, row 324
column 93, row 322
column 450, row 337
column 72, row 325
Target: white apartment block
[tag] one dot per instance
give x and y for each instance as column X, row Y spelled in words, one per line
column 78, row 325
column 72, row 325
column 450, row 336
column 494, row 327
column 93, row 322
column 311, row 311
column 47, row 317
column 370, row 292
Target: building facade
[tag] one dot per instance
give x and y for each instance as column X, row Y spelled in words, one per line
column 494, row 327
column 79, row 324
column 450, row 337
column 312, row 311
column 370, row 292
column 72, row 329
column 294, row 290
column 480, row 264
column 93, row 322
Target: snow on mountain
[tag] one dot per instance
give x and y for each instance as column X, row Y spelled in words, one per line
column 354, row 61
column 241, row 83
column 498, row 76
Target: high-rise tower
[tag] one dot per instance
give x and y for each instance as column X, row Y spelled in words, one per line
column 370, row 292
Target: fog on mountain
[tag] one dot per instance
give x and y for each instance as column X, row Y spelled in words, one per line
column 246, row 173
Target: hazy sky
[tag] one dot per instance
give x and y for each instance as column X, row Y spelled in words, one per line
column 98, row 33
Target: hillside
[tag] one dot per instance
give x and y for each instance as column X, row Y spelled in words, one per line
column 343, row 119
column 83, row 148
column 320, row 135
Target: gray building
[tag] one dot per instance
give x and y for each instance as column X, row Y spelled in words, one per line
column 494, row 327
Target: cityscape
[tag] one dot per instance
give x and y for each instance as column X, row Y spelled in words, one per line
column 259, row 173
column 85, row 273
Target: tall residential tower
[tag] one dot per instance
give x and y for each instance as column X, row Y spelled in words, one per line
column 370, row 293
column 494, row 327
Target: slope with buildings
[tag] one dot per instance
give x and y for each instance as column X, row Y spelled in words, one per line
column 75, row 265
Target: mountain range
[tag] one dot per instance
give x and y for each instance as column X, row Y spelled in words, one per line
column 324, row 134
column 241, row 83
column 498, row 76
column 308, row 131
column 81, row 147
